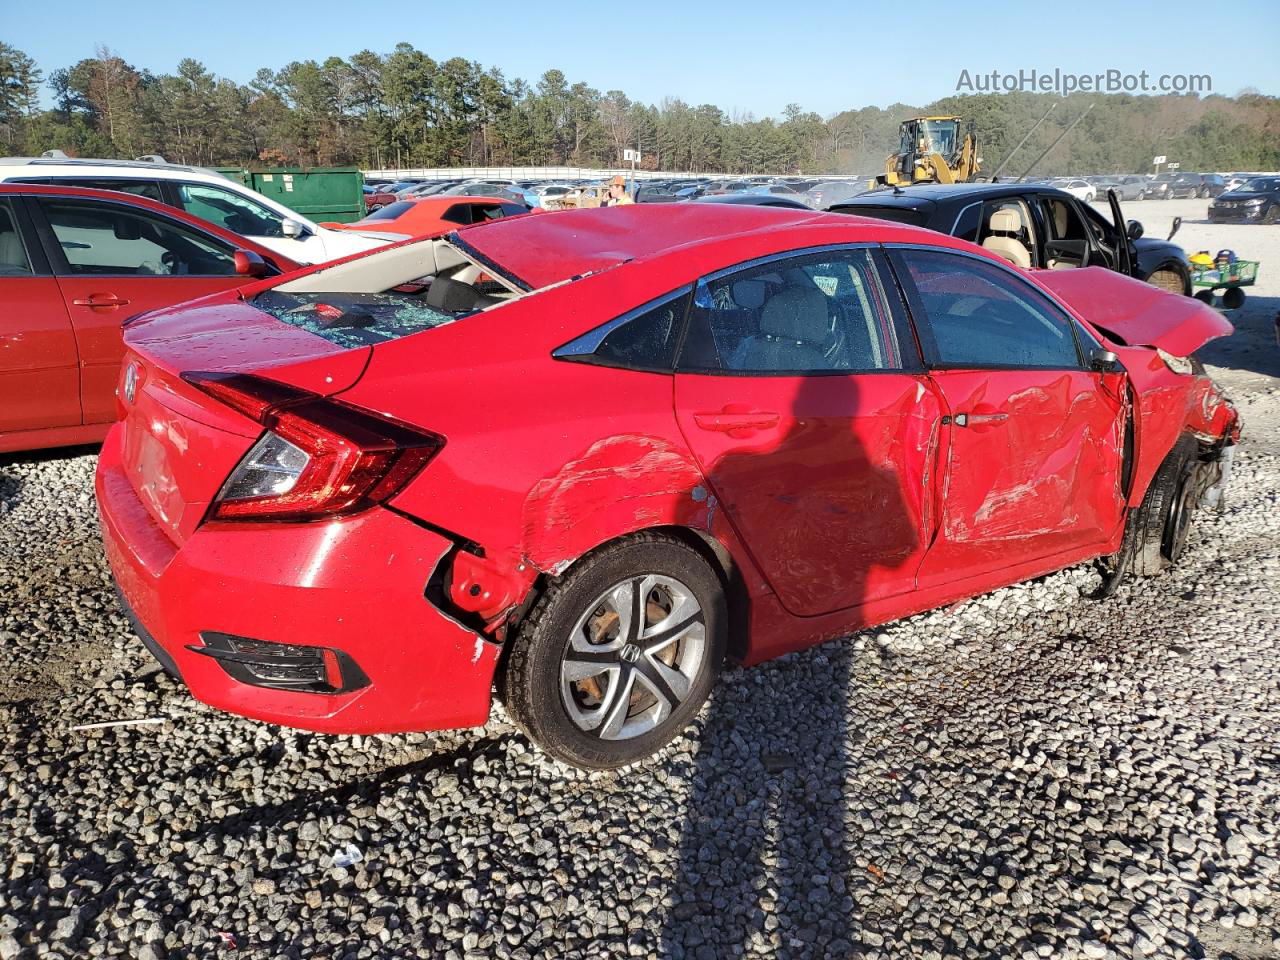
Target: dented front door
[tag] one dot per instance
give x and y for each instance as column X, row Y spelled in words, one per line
column 1032, row 442
column 1032, row 468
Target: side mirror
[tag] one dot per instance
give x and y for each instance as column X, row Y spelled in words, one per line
column 292, row 228
column 1104, row 361
column 1177, row 222
column 250, row 264
column 1135, row 230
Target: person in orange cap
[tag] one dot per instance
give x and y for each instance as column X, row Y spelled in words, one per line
column 617, row 195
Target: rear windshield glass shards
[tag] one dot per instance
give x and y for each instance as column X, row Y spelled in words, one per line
column 353, row 319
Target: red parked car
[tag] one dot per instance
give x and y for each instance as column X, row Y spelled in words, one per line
column 74, row 265
column 589, row 455
column 423, row 215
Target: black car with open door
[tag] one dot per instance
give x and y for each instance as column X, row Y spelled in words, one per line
column 1033, row 226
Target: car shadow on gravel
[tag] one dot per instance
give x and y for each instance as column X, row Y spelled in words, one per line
column 1252, row 348
column 764, row 852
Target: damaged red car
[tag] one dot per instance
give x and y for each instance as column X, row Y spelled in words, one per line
column 584, row 458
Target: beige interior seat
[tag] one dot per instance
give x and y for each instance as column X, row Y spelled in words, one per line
column 1060, row 225
column 1003, row 229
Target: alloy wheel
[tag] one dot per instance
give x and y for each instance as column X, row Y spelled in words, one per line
column 632, row 657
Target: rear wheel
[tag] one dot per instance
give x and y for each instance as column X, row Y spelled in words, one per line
column 619, row 654
column 1232, row 298
column 1168, row 280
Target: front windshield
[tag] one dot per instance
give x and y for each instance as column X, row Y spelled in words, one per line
column 388, row 212
column 1259, row 185
column 941, row 136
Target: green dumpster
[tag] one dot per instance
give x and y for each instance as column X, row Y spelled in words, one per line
column 320, row 194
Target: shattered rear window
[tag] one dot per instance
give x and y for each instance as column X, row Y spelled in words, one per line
column 907, row 215
column 354, row 319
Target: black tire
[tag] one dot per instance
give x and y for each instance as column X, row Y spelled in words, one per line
column 1233, row 298
column 532, row 683
column 1205, row 296
column 1158, row 529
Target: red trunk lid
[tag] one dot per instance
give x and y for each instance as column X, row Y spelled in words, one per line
column 179, row 443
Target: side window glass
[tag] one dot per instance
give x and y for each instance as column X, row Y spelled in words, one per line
column 458, row 213
column 1064, row 222
column 968, row 223
column 230, row 210
column 109, row 239
column 813, row 314
column 142, row 188
column 642, row 339
column 979, row 315
column 13, row 252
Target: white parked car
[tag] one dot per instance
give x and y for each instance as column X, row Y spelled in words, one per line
column 1080, row 189
column 545, row 193
column 203, row 193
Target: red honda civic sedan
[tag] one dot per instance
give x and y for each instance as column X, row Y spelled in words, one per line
column 587, row 456
column 74, row 265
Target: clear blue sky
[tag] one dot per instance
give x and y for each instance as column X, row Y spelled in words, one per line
column 747, row 55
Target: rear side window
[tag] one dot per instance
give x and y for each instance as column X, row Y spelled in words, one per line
column 978, row 315
column 141, row 188
column 114, row 240
column 641, row 339
column 913, row 218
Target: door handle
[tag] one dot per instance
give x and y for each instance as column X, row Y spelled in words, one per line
column 101, row 300
column 976, row 419
column 725, row 422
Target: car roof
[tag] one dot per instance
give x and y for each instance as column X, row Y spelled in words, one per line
column 922, row 195
column 542, row 250
column 78, row 163
column 155, row 206
column 758, row 199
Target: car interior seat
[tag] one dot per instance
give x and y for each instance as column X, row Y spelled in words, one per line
column 1061, row 228
column 1004, row 227
column 794, row 325
column 13, row 257
column 454, row 296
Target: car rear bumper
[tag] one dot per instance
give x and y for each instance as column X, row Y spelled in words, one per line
column 356, row 586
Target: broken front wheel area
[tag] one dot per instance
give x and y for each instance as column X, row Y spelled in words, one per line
column 1156, row 533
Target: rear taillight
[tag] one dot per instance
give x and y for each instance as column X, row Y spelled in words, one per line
column 318, row 458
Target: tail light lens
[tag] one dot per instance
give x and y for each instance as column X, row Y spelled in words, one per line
column 318, row 458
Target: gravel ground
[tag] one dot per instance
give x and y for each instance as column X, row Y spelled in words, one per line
column 1029, row 774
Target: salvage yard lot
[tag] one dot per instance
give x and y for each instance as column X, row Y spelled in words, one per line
column 1029, row 774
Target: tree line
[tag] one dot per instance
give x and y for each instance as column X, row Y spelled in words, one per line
column 405, row 109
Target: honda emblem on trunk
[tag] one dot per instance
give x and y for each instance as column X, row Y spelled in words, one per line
column 130, row 382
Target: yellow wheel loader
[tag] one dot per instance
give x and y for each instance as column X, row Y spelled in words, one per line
column 932, row 150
